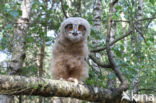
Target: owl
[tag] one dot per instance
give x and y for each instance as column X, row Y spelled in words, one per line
column 70, row 50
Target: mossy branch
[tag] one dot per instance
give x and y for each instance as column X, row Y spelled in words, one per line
column 19, row 85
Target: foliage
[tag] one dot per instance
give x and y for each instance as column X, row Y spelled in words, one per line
column 50, row 15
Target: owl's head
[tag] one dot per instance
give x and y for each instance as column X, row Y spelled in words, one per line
column 75, row 29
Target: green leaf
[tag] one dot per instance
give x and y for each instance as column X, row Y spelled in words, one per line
column 111, row 76
column 14, row 13
column 118, row 7
column 8, row 26
column 152, row 1
column 30, row 39
column 122, row 47
column 96, row 34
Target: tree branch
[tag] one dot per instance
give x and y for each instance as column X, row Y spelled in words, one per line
column 123, row 36
column 124, row 82
column 63, row 10
column 34, row 86
column 99, row 63
column 147, row 18
column 19, row 85
column 113, row 42
column 147, row 89
column 128, row 21
column 140, row 34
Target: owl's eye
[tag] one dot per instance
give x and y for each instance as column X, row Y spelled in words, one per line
column 81, row 28
column 70, row 27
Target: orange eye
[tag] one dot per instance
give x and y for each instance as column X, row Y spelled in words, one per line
column 80, row 28
column 70, row 28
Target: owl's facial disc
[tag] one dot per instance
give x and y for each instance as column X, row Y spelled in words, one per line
column 75, row 32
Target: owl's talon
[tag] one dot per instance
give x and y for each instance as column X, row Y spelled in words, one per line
column 80, row 82
column 76, row 81
column 61, row 79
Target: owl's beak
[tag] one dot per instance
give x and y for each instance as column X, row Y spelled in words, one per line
column 75, row 33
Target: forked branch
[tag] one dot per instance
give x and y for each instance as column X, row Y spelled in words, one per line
column 98, row 62
column 124, row 83
column 114, row 41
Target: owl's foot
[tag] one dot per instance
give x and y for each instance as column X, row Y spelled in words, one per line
column 76, row 81
column 61, row 79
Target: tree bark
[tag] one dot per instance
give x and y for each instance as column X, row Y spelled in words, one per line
column 95, row 57
column 124, row 83
column 112, row 83
column 138, row 44
column 97, row 14
column 19, row 85
column 18, row 49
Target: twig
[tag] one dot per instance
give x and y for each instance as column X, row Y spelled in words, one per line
column 121, row 21
column 113, row 42
column 140, row 34
column 147, row 89
column 127, row 20
column 63, row 10
column 52, row 4
column 99, row 62
column 147, row 19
